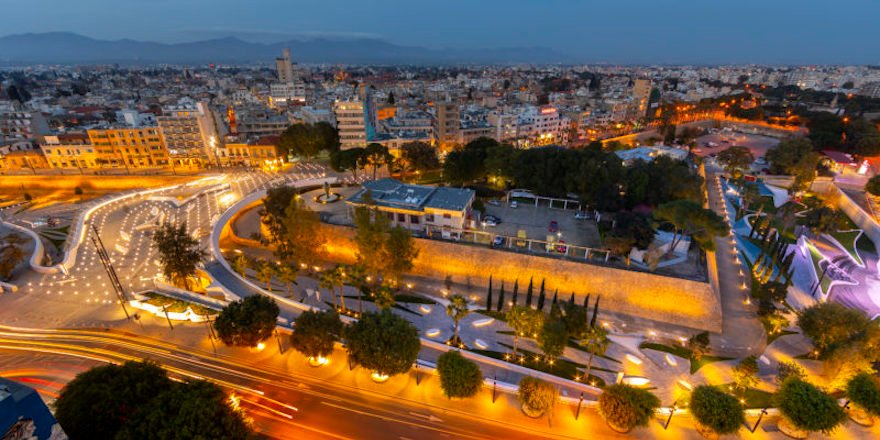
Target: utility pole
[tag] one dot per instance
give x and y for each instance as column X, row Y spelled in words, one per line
column 111, row 272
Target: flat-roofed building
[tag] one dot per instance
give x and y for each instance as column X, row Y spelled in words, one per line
column 130, row 147
column 419, row 208
column 73, row 151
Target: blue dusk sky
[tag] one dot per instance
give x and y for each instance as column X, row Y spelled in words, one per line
column 615, row 31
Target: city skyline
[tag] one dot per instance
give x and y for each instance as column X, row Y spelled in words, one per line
column 630, row 32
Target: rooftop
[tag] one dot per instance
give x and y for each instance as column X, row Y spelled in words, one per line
column 396, row 194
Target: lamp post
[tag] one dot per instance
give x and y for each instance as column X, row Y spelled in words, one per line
column 494, row 387
column 671, row 413
column 580, row 401
column 758, row 422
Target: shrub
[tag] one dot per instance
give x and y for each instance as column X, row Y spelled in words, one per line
column 459, row 377
column 830, row 325
column 787, row 369
column 717, row 410
column 807, row 407
column 864, row 391
column 246, row 322
column 78, row 191
column 536, row 395
column 625, row 407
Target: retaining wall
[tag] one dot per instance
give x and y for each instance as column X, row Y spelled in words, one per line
column 666, row 299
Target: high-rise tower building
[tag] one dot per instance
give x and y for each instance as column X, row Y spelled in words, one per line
column 284, row 66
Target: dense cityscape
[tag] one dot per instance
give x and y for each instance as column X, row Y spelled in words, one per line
column 434, row 249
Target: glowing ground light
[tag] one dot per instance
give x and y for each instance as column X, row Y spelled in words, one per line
column 318, row 361
column 261, row 346
column 378, row 377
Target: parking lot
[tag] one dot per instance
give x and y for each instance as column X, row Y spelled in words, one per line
column 535, row 221
column 759, row 145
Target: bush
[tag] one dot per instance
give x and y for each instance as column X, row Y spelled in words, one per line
column 625, row 407
column 807, row 407
column 864, row 391
column 830, row 325
column 315, row 332
column 459, row 377
column 246, row 322
column 717, row 410
column 787, row 369
column 873, row 185
column 78, row 191
column 383, row 342
column 536, row 395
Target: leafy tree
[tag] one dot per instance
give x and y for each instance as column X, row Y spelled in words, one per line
column 419, row 156
column 864, row 391
column 716, row 410
column 789, row 369
column 825, row 220
column 525, row 322
column 699, row 344
column 196, row 409
column 371, row 230
column 377, row 155
column 736, row 160
column 399, row 252
column 240, row 264
column 873, row 185
column 536, row 395
column 553, row 338
column 179, row 253
column 499, row 163
column 625, row 407
column 11, row 254
column 830, row 325
column 383, row 342
column 287, row 273
column 352, row 159
column 308, row 139
column 457, row 310
column 596, row 342
column 383, row 297
column 315, row 332
column 575, row 318
column 784, row 157
column 303, row 236
column 248, row 321
column 804, row 172
column 265, row 272
column 98, row 403
column 690, row 218
column 274, row 205
column 808, row 408
column 633, row 227
column 459, row 377
column 745, row 374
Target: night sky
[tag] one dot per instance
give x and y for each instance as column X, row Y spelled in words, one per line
column 618, row 31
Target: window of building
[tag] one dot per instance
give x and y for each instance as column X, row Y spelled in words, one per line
column 429, row 218
column 447, row 216
column 414, row 219
column 401, row 218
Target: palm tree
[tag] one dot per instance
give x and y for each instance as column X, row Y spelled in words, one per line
column 596, row 342
column 265, row 271
column 457, row 310
column 357, row 277
column 337, row 277
column 287, row 273
column 240, row 264
column 384, row 297
column 326, row 281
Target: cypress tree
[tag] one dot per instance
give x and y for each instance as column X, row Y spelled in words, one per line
column 541, row 297
column 595, row 312
column 571, row 300
column 515, row 290
column 555, row 297
column 587, row 302
column 529, row 293
column 501, row 297
column 489, row 295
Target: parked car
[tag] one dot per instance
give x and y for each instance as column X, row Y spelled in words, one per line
column 582, row 215
column 491, row 220
column 554, row 226
column 498, row 241
column 513, row 204
column 494, row 202
column 561, row 247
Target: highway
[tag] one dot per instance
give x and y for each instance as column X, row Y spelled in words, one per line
column 282, row 406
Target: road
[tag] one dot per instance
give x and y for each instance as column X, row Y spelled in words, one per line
column 287, row 406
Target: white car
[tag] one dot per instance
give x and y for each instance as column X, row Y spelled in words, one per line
column 494, row 202
column 513, row 204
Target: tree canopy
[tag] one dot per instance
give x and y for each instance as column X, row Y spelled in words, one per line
column 830, row 325
column 690, row 218
column 314, row 333
column 864, row 390
column 625, row 407
column 309, row 139
column 717, row 410
column 736, row 160
column 137, row 400
column 807, row 407
column 179, row 253
column 537, row 395
column 459, row 377
column 873, row 185
column 383, row 342
column 248, row 321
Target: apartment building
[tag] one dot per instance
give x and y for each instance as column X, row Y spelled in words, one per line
column 130, row 147
column 72, row 151
column 351, row 123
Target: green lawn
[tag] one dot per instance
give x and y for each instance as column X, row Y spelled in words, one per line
column 848, row 240
column 817, row 257
column 753, row 397
column 175, row 305
column 686, row 353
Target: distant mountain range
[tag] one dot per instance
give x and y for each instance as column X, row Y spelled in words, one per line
column 70, row 48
